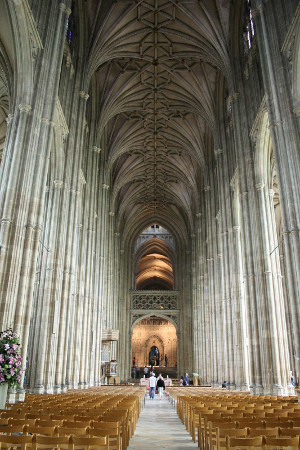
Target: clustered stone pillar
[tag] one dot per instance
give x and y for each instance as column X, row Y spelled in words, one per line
column 285, row 142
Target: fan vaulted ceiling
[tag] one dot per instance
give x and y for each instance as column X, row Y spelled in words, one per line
column 155, row 67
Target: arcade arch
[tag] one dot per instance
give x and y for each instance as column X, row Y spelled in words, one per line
column 154, row 332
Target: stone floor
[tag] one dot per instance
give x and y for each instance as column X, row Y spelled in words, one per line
column 159, row 427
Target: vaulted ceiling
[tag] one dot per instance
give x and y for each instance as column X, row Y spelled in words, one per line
column 156, row 66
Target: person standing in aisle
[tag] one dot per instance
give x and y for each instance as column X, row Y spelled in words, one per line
column 152, row 386
column 160, row 386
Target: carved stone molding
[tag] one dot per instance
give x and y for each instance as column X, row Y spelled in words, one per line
column 164, row 315
column 218, row 153
column 82, row 179
column 62, row 120
column 110, row 335
column 257, row 124
column 58, row 183
column 260, row 186
column 234, row 179
column 23, row 107
column 83, row 95
column 154, row 300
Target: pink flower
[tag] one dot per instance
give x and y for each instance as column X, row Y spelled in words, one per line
column 1, row 357
column 12, row 371
column 1, row 377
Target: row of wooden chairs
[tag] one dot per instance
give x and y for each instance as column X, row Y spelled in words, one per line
column 218, row 435
column 35, row 442
column 214, row 413
column 99, row 413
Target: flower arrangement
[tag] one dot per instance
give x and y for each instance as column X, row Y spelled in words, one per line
column 10, row 359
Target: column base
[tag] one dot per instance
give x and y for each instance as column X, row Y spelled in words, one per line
column 278, row 390
column 231, row 386
column 257, row 390
column 16, row 396
column 38, row 389
column 59, row 389
column 245, row 387
column 83, row 385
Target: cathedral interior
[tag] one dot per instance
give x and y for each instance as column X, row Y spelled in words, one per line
column 149, row 189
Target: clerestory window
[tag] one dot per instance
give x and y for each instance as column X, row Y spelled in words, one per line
column 249, row 30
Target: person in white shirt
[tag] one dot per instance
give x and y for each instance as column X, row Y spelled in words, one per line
column 152, row 385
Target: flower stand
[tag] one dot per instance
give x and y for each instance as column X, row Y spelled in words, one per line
column 3, row 394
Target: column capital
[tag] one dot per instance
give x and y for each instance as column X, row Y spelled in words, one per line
column 83, row 95
column 207, row 188
column 24, row 107
column 271, row 192
column 9, row 118
column 198, row 215
column 47, row 121
column 218, row 152
column 96, row 149
column 58, row 183
column 105, row 187
column 111, row 213
column 236, row 228
column 62, row 7
column 68, row 11
column 260, row 186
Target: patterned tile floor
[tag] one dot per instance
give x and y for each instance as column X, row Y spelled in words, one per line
column 159, row 427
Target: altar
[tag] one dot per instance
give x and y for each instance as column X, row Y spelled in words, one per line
column 145, row 382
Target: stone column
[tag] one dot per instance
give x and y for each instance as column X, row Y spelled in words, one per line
column 285, row 143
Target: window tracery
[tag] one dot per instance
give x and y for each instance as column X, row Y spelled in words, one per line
column 249, row 29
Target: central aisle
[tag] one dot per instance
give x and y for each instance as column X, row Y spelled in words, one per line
column 159, row 427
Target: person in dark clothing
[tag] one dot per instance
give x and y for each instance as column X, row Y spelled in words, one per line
column 160, row 386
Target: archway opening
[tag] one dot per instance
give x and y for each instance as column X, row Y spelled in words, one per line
column 154, row 342
column 154, row 260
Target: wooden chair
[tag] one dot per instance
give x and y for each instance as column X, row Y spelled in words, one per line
column 13, row 421
column 75, row 431
column 87, row 443
column 113, row 435
column 62, row 416
column 48, row 423
column 15, row 442
column 50, row 442
column 223, row 433
column 289, row 432
column 244, row 442
column 10, row 429
column 76, row 423
column 41, row 430
column 213, row 426
column 281, row 442
column 108, row 426
column 271, row 432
